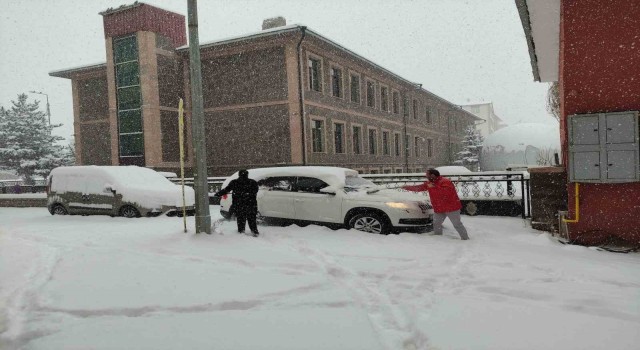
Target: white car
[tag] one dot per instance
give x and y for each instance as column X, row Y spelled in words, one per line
column 331, row 195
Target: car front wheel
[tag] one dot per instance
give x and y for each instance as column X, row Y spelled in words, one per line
column 58, row 209
column 370, row 222
column 129, row 212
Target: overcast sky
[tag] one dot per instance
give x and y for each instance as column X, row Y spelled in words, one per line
column 462, row 50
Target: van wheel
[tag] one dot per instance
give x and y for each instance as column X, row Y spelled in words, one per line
column 370, row 222
column 129, row 212
column 58, row 209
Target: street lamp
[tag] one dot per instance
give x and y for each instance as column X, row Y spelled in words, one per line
column 48, row 110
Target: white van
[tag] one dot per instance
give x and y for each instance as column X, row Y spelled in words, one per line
column 128, row 191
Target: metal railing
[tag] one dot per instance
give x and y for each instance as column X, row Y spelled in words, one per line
column 507, row 186
column 494, row 186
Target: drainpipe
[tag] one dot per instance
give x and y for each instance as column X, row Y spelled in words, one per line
column 303, row 29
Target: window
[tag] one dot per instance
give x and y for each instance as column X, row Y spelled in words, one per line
column 405, row 106
column 278, row 183
column 384, row 98
column 429, row 148
column 407, row 145
column 373, row 171
column 355, row 88
column 129, row 99
column 357, row 140
column 416, row 146
column 415, row 109
column 338, row 136
column 336, row 82
column 396, row 142
column 398, row 170
column 428, row 115
column 396, row 102
column 373, row 144
column 131, row 144
column 386, row 171
column 315, row 74
column 317, row 135
column 371, row 94
column 385, row 143
column 309, row 184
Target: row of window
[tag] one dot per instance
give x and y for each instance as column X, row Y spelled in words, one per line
column 129, row 97
column 389, row 102
column 389, row 144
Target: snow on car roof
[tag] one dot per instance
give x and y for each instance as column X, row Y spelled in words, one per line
column 120, row 175
column 453, row 170
column 330, row 175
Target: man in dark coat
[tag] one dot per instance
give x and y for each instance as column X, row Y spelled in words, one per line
column 244, row 191
column 444, row 200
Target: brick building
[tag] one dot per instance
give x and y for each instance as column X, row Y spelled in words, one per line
column 282, row 96
column 588, row 47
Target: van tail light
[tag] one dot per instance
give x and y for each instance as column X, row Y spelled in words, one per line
column 225, row 196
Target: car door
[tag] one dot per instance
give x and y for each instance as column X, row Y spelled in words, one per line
column 312, row 205
column 274, row 197
column 97, row 200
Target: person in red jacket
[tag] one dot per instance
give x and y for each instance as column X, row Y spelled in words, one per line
column 444, row 200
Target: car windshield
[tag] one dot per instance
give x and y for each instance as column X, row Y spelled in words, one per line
column 355, row 183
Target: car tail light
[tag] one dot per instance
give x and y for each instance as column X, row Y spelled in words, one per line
column 225, row 196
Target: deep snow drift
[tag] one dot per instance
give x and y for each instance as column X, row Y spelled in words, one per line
column 79, row 282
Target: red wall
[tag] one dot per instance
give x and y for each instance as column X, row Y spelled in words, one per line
column 146, row 18
column 600, row 72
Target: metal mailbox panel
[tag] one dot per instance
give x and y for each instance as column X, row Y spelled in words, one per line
column 586, row 166
column 621, row 128
column 585, row 130
column 622, row 165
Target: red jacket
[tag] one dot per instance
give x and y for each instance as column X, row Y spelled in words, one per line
column 442, row 192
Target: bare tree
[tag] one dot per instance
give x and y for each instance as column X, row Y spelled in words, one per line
column 553, row 100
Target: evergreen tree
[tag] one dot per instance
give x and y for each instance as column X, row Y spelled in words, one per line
column 27, row 145
column 471, row 148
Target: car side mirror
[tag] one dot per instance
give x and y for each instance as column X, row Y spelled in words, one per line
column 330, row 190
column 109, row 189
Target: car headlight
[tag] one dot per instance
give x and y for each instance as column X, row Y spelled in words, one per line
column 398, row 205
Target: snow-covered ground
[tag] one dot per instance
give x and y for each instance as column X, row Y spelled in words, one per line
column 79, row 282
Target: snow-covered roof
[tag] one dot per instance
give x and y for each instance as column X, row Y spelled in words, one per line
column 331, row 175
column 66, row 73
column 541, row 23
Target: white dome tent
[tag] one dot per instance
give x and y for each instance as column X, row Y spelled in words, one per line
column 525, row 144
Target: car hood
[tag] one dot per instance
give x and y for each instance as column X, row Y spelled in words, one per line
column 386, row 195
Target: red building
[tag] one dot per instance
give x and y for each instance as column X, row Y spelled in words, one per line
column 592, row 49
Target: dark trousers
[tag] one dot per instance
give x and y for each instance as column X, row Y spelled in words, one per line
column 244, row 214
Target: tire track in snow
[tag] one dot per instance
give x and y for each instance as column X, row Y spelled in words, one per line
column 22, row 301
column 393, row 328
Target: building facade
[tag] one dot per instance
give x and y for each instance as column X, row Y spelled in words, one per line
column 588, row 47
column 490, row 122
column 282, row 96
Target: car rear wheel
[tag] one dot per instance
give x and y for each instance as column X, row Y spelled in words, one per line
column 370, row 222
column 59, row 209
column 129, row 212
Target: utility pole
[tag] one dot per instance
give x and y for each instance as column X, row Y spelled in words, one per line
column 449, row 136
column 48, row 110
column 203, row 218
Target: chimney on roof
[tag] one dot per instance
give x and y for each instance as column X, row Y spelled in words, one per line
column 274, row 22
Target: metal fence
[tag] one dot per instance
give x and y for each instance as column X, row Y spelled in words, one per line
column 504, row 193
column 494, row 193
